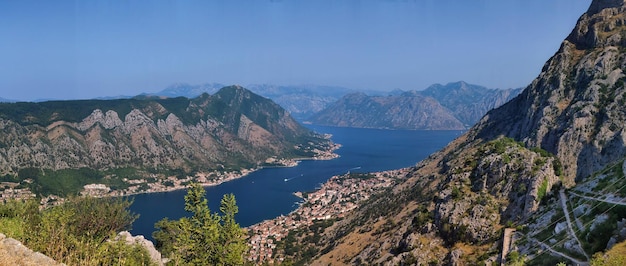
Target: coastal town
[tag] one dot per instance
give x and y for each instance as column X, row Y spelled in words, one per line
column 155, row 183
column 13, row 190
column 334, row 199
column 171, row 183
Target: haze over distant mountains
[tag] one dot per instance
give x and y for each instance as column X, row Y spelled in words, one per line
column 455, row 105
column 301, row 101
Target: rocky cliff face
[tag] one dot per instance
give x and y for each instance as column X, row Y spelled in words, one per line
column 232, row 129
column 575, row 108
column 564, row 126
column 468, row 102
column 452, row 106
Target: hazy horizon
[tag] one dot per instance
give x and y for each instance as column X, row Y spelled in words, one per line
column 90, row 49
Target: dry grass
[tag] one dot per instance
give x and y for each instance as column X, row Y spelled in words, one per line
column 12, row 253
column 349, row 247
column 616, row 256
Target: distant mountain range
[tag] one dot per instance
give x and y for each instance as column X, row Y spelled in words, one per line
column 405, row 111
column 300, row 101
column 455, row 105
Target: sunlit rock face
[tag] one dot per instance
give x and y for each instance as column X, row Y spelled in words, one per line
column 233, row 128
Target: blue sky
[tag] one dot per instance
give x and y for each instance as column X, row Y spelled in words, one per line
column 84, row 49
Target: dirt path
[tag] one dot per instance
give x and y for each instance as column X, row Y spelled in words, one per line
column 575, row 261
column 598, row 199
column 506, row 244
column 563, row 198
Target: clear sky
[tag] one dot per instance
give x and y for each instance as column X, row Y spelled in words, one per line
column 83, row 49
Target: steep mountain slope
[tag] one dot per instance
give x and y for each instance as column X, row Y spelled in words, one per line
column 452, row 106
column 405, row 111
column 469, row 102
column 575, row 108
column 230, row 130
column 566, row 125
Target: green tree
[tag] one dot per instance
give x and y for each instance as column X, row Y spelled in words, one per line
column 232, row 236
column 205, row 238
column 165, row 235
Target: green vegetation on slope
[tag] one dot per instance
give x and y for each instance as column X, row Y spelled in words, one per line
column 82, row 231
column 75, row 232
column 70, row 182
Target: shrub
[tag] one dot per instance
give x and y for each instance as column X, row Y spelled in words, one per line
column 543, row 190
column 76, row 232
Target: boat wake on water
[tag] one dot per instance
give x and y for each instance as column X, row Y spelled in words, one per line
column 347, row 171
column 294, row 177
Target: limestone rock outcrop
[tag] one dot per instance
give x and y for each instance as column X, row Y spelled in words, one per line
column 232, row 129
column 12, row 252
column 155, row 255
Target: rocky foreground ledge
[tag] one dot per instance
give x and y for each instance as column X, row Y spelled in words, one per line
column 12, row 252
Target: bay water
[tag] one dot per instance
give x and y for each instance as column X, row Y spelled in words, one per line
column 268, row 193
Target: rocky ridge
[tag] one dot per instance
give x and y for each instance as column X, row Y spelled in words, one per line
column 574, row 109
column 230, row 130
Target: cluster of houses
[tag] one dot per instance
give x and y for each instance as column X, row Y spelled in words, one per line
column 337, row 197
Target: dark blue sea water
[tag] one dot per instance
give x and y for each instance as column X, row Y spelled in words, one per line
column 265, row 194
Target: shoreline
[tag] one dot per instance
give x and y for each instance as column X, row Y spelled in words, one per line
column 337, row 197
column 102, row 191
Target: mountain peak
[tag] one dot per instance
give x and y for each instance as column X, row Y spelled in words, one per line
column 234, row 92
column 598, row 5
column 604, row 24
column 574, row 108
